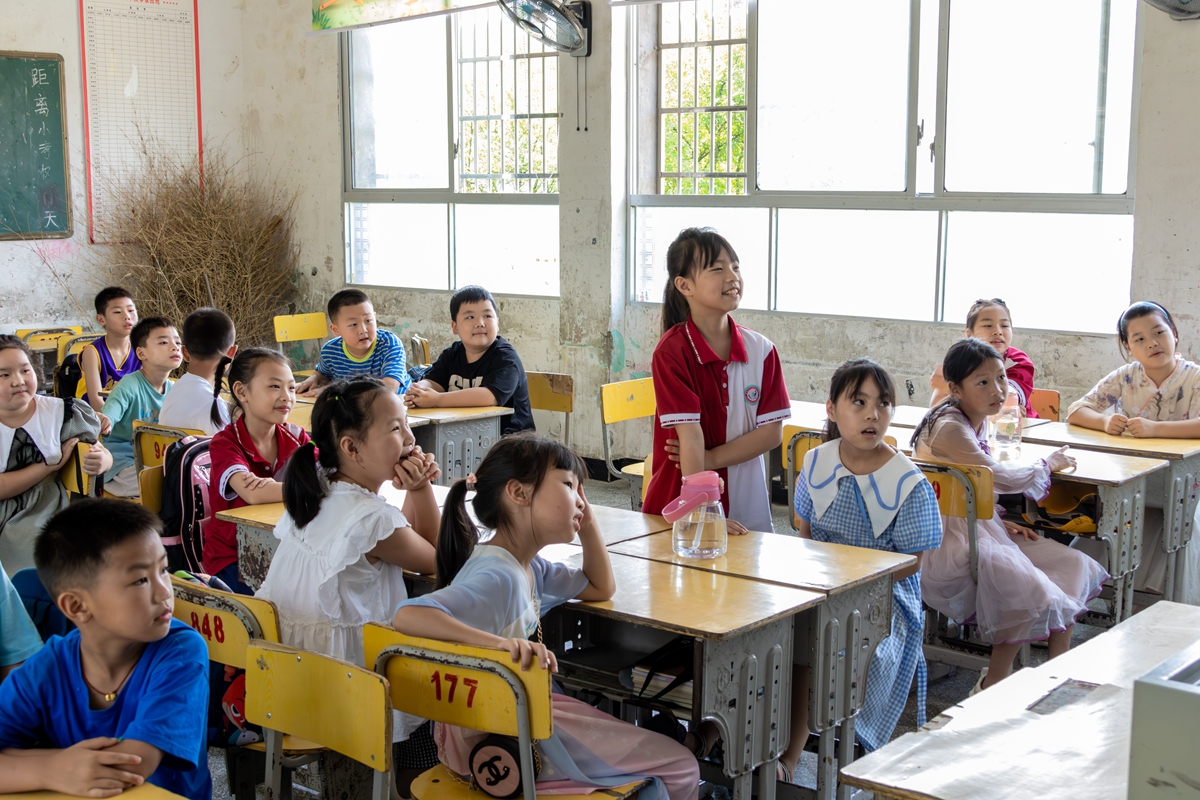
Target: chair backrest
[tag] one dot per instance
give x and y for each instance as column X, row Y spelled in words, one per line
column 150, row 443
column 25, row 334
column 964, row 491
column 228, row 622
column 472, row 687
column 35, row 337
column 553, row 391
column 420, row 351
column 333, row 703
column 1047, row 403
column 801, row 443
column 71, row 472
column 68, row 345
column 299, row 327
column 622, row 401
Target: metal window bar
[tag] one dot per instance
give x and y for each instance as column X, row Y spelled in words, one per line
column 499, row 128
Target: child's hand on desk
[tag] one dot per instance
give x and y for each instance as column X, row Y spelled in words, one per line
column 524, row 652
column 1059, row 461
column 735, row 528
column 88, row 769
column 252, row 482
column 1116, row 424
column 420, row 397
column 1142, row 428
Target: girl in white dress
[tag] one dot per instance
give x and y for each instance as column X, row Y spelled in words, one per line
column 529, row 490
column 343, row 548
column 1157, row 395
column 1029, row 588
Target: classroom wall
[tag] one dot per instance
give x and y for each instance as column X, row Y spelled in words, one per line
column 269, row 88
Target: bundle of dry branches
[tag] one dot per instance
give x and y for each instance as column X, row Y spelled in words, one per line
column 184, row 233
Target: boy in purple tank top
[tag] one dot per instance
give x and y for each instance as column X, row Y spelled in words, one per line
column 111, row 357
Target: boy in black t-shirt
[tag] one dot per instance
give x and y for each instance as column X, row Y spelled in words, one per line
column 481, row 369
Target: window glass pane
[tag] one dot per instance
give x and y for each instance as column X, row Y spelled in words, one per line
column 508, row 107
column 398, row 106
column 399, row 244
column 511, row 249
column 1056, row 271
column 857, row 263
column 832, row 95
column 1118, row 106
column 1021, row 96
column 746, row 229
column 702, row 97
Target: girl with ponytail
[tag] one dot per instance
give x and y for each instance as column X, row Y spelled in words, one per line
column 248, row 455
column 529, row 490
column 194, row 400
column 343, row 548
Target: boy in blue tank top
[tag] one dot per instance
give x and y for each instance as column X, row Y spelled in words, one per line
column 123, row 698
column 111, row 357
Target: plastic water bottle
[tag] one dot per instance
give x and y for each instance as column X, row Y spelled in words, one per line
column 697, row 518
column 1007, row 427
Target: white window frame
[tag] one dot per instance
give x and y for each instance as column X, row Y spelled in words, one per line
column 451, row 197
column 939, row 200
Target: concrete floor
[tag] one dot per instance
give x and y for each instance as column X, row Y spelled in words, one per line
column 943, row 692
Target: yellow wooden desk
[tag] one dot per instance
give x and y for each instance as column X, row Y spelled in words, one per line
column 911, row 416
column 992, row 747
column 1120, row 483
column 744, row 634
column 147, row 791
column 621, row 524
column 458, row 437
column 1179, row 492
column 301, row 415
column 841, row 635
column 256, row 532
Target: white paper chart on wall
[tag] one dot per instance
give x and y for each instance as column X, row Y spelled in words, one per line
column 141, row 93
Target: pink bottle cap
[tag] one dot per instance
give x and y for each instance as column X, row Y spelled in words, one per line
column 703, row 487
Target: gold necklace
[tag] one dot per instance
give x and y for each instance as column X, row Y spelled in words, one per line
column 108, row 696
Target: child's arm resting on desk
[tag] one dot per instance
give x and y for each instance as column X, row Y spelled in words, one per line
column 90, row 768
column 313, row 385
column 231, row 472
column 412, row 547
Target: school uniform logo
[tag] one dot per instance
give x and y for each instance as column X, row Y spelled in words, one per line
column 752, row 395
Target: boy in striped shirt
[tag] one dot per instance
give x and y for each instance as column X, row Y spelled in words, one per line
column 358, row 347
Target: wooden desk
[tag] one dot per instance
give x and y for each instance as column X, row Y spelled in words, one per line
column 992, row 747
column 301, row 415
column 911, row 416
column 1179, row 490
column 256, row 532
column 621, row 524
column 147, row 791
column 458, row 437
column 1120, row 483
column 840, row 636
column 744, row 634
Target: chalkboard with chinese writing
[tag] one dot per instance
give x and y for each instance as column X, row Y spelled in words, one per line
column 35, row 196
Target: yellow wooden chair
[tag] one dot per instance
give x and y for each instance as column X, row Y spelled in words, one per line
column 73, row 345
column 37, row 337
column 553, row 391
column 1046, row 403
column 420, row 351
column 300, row 328
column 229, row 622
column 620, row 402
column 150, row 443
column 76, row 481
column 334, row 704
column 801, row 442
column 472, row 687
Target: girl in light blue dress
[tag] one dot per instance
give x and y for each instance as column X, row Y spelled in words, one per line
column 857, row 490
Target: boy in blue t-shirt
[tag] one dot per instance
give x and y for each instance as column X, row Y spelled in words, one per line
column 358, row 347
column 123, row 698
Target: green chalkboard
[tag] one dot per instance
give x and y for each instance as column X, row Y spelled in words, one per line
column 35, row 190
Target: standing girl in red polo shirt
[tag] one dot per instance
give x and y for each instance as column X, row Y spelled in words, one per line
column 249, row 454
column 719, row 385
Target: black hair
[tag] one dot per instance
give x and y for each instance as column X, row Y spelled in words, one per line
column 849, row 378
column 141, row 332
column 469, row 294
column 209, row 332
column 525, row 457
column 74, row 544
column 1143, row 308
column 963, row 358
column 107, row 295
column 242, row 369
column 10, row 342
column 343, row 408
column 979, row 305
column 694, row 249
column 343, row 298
